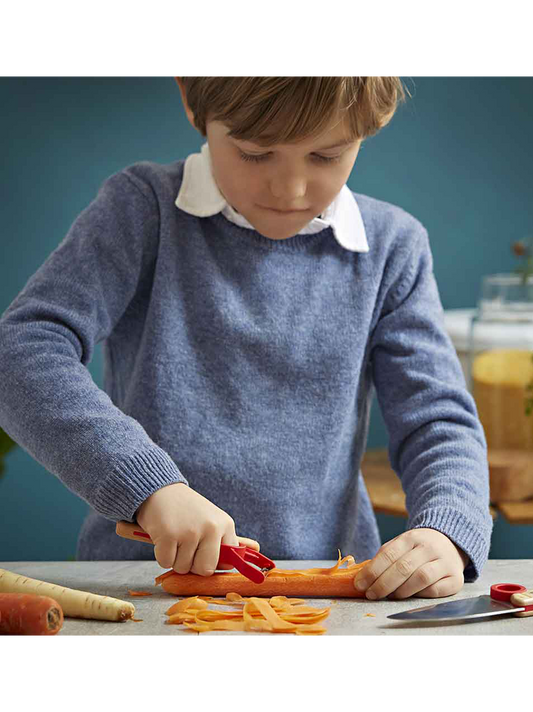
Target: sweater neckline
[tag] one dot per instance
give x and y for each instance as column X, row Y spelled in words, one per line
column 297, row 243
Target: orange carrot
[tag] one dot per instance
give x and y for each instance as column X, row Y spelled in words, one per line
column 334, row 582
column 29, row 614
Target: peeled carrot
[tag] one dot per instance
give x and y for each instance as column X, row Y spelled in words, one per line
column 75, row 604
column 28, row 614
column 334, row 582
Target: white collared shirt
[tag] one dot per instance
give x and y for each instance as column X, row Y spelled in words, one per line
column 199, row 195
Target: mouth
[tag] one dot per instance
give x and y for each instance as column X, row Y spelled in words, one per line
column 285, row 212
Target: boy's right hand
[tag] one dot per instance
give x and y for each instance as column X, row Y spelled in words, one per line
column 187, row 529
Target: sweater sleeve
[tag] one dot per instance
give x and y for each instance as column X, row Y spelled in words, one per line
column 436, row 442
column 49, row 403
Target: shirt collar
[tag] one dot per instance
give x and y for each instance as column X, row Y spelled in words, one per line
column 199, row 195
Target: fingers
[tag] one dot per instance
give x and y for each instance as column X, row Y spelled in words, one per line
column 397, row 562
column 427, row 577
column 185, row 556
column 201, row 556
column 206, row 556
column 188, row 530
column 208, row 551
column 189, row 555
column 421, row 562
column 165, row 552
column 447, row 586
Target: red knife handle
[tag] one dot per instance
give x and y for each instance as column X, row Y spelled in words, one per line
column 515, row 594
column 504, row 591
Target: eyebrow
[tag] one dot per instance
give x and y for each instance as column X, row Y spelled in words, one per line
column 339, row 144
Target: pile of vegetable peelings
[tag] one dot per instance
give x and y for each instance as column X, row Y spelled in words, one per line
column 32, row 607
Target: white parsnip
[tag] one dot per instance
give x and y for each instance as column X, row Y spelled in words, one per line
column 75, row 604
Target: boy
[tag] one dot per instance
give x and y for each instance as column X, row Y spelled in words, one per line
column 249, row 302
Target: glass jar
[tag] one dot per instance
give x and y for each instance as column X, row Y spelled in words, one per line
column 501, row 361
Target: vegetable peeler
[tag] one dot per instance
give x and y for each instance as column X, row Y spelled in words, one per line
column 241, row 557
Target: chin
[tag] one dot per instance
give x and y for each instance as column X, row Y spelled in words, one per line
column 274, row 228
column 278, row 232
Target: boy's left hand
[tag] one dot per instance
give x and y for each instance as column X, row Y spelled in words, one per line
column 418, row 562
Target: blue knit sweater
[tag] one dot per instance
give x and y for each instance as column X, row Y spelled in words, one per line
column 244, row 367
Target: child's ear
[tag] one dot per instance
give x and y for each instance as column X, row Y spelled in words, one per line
column 186, row 106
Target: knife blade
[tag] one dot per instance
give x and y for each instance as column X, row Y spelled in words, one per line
column 504, row 599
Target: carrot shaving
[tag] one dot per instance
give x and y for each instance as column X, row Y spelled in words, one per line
column 140, row 593
column 162, row 577
column 193, row 603
column 330, row 571
column 277, row 615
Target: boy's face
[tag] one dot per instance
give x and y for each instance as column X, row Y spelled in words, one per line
column 280, row 188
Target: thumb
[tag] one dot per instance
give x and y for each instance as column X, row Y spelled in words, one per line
column 252, row 543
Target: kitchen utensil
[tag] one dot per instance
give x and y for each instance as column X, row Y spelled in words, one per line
column 241, row 557
column 504, row 598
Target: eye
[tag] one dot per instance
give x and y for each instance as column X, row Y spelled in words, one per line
column 326, row 159
column 257, row 158
column 253, row 157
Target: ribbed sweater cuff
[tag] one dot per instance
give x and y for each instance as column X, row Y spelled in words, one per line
column 474, row 541
column 132, row 481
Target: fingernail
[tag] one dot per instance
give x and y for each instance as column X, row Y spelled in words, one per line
column 361, row 584
column 371, row 595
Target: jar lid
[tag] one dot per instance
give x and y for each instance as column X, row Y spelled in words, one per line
column 457, row 323
column 488, row 335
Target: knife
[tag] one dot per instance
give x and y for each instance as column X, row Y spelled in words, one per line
column 504, row 598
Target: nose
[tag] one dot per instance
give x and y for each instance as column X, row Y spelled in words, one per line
column 288, row 186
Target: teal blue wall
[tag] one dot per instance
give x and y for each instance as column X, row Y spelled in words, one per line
column 458, row 155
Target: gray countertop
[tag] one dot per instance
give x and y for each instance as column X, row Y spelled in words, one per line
column 347, row 616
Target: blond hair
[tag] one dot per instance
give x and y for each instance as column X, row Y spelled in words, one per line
column 271, row 110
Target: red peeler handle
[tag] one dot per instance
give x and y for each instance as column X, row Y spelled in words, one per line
column 240, row 557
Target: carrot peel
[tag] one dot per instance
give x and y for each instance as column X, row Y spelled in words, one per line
column 140, row 593
column 253, row 614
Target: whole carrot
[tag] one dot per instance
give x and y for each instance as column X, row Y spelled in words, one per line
column 29, row 614
column 332, row 582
